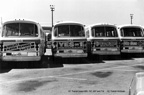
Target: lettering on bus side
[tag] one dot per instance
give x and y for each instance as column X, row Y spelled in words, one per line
column 133, row 43
column 19, row 46
column 105, row 43
column 70, row 45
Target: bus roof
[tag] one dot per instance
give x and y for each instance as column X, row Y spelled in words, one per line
column 101, row 24
column 129, row 25
column 20, row 21
column 68, row 22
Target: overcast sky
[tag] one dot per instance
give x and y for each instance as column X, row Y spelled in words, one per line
column 84, row 11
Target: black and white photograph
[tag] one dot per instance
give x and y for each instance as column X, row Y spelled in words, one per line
column 72, row 47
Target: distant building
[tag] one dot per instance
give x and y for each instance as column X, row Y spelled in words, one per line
column 47, row 29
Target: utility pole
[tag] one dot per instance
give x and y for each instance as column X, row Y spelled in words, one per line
column 131, row 16
column 52, row 9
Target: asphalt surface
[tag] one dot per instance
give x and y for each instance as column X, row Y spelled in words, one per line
column 76, row 77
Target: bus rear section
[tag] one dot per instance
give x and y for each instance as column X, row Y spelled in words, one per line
column 70, row 48
column 132, row 39
column 69, row 40
column 103, row 39
column 22, row 41
column 21, row 50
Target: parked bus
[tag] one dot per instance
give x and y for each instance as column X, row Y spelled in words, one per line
column 132, row 39
column 137, row 84
column 103, row 39
column 22, row 40
column 69, row 40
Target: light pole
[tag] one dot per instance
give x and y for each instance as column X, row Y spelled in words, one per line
column 131, row 16
column 52, row 9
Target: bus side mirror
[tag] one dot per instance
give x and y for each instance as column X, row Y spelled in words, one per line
column 49, row 37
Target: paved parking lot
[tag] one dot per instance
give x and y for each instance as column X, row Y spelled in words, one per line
column 109, row 77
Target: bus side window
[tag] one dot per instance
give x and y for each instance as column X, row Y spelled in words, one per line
column 108, row 34
column 122, row 32
column 41, row 33
column 81, row 33
column 56, row 32
column 87, row 33
column 36, row 30
column 143, row 32
column 93, row 32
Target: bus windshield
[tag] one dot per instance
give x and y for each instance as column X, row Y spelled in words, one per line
column 104, row 31
column 69, row 31
column 131, row 32
column 20, row 29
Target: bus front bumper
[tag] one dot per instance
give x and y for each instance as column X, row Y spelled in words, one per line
column 106, row 52
column 21, row 58
column 65, row 55
column 132, row 51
